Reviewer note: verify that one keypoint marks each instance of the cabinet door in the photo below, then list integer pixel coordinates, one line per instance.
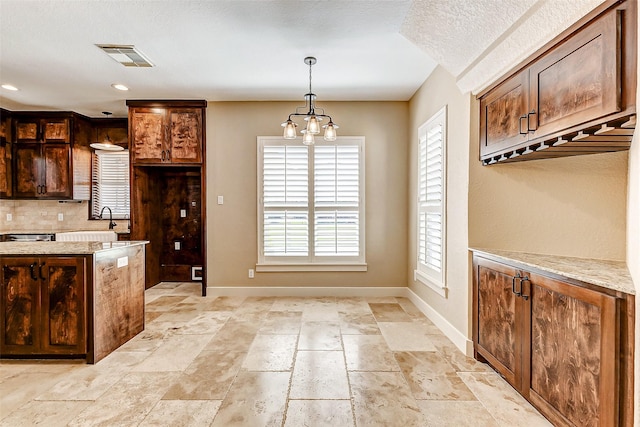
(20, 306)
(56, 160)
(6, 180)
(55, 130)
(63, 305)
(28, 130)
(29, 170)
(503, 113)
(573, 363)
(498, 323)
(578, 81)
(185, 136)
(148, 135)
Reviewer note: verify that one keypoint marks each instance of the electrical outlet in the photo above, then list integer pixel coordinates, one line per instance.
(251, 273)
(60, 216)
(220, 200)
(9, 217)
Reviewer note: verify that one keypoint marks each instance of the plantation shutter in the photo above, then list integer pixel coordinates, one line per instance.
(431, 190)
(286, 200)
(336, 219)
(110, 183)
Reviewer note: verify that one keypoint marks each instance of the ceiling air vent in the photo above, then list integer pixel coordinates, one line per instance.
(127, 55)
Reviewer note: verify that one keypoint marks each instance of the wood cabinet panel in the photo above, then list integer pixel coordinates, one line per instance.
(6, 175)
(185, 135)
(43, 170)
(147, 136)
(580, 80)
(28, 173)
(496, 306)
(20, 306)
(43, 306)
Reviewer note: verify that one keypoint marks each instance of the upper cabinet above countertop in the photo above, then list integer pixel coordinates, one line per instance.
(577, 95)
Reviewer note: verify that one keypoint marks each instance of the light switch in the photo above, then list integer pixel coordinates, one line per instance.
(9, 217)
(60, 217)
(123, 262)
(220, 200)
(183, 213)
(176, 245)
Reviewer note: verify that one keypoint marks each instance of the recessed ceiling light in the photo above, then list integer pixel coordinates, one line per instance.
(119, 86)
(9, 87)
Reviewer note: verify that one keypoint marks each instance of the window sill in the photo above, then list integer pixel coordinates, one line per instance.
(281, 268)
(440, 289)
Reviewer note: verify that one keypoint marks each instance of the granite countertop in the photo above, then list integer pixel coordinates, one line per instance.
(62, 248)
(605, 273)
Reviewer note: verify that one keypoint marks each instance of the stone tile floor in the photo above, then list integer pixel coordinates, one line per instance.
(277, 361)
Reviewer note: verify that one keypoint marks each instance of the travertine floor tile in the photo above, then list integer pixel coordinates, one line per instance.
(128, 402)
(368, 353)
(389, 312)
(319, 413)
(384, 399)
(358, 324)
(406, 336)
(49, 414)
(255, 399)
(502, 401)
(164, 303)
(449, 413)
(175, 353)
(430, 376)
(19, 390)
(209, 377)
(319, 375)
(234, 336)
(455, 357)
(320, 336)
(182, 413)
(281, 323)
(271, 353)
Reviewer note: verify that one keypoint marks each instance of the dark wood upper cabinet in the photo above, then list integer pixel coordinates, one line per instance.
(166, 134)
(50, 156)
(575, 96)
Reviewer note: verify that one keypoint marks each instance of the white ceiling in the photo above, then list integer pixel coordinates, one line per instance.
(231, 50)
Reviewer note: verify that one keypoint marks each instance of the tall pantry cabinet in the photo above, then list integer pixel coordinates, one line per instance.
(167, 173)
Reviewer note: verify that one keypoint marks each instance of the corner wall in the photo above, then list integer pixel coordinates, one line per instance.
(452, 313)
(232, 128)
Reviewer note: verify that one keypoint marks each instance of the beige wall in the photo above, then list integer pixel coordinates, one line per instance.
(440, 89)
(42, 216)
(232, 128)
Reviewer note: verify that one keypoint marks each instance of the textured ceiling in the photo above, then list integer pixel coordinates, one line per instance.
(254, 50)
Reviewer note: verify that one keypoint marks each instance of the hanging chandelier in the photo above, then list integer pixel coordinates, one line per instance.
(312, 117)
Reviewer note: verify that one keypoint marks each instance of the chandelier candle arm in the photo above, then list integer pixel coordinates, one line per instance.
(311, 117)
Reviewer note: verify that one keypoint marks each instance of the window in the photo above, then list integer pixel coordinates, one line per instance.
(110, 183)
(311, 205)
(432, 137)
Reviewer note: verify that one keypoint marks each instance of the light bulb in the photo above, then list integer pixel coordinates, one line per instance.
(330, 131)
(307, 138)
(289, 129)
(313, 125)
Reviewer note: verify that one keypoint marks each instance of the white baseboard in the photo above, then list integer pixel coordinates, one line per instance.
(459, 339)
(313, 291)
(464, 344)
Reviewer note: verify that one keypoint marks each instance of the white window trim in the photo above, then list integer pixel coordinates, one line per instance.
(423, 274)
(320, 263)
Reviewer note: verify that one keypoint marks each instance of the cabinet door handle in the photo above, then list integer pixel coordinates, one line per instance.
(526, 116)
(163, 155)
(32, 267)
(535, 126)
(524, 279)
(40, 271)
(168, 155)
(513, 285)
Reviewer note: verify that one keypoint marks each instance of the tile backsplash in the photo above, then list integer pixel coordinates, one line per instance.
(42, 216)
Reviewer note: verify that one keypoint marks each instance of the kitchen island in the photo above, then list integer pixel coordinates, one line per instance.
(70, 299)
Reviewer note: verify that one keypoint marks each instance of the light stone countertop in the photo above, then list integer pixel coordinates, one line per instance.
(605, 273)
(62, 248)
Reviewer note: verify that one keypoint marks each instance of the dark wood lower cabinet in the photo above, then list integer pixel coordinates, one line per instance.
(562, 344)
(43, 306)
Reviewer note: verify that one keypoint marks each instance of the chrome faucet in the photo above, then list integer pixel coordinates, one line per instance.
(111, 223)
